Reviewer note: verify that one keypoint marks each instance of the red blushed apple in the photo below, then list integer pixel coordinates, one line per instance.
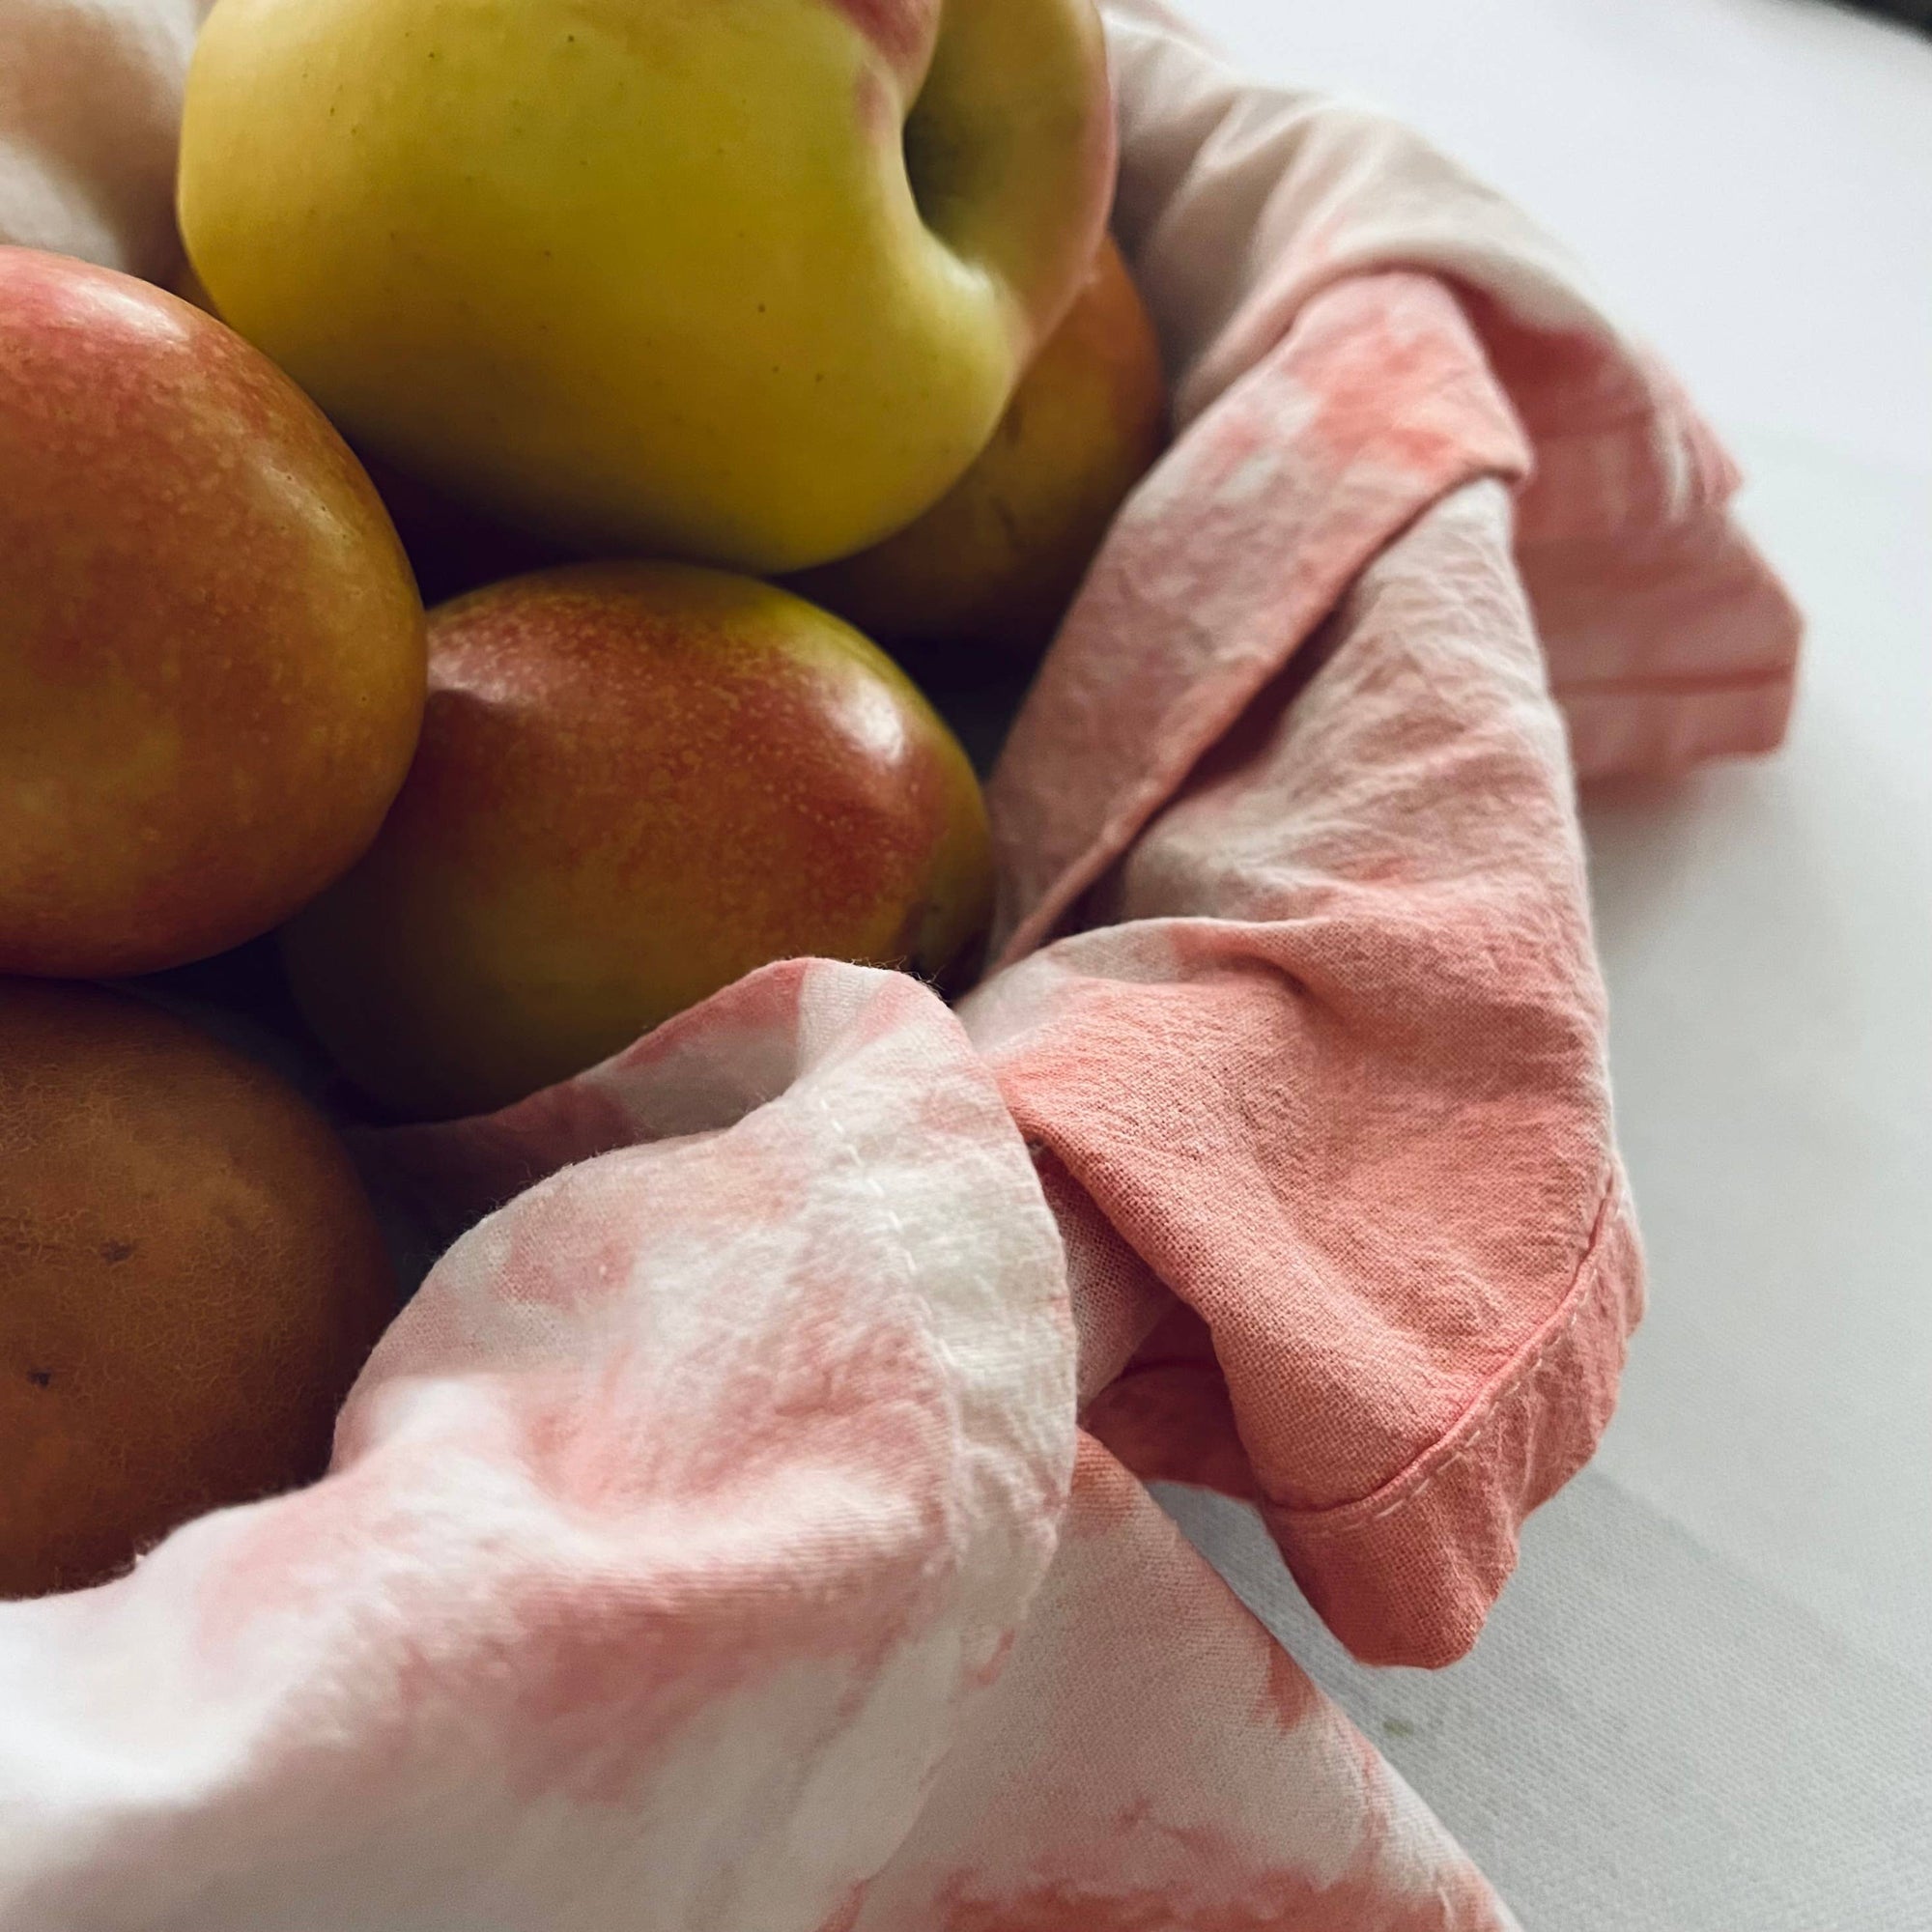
(636, 784)
(211, 651)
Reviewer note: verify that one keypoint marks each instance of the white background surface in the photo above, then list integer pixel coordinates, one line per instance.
(1706, 1701)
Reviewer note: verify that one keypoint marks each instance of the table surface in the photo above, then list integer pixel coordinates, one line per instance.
(1706, 1700)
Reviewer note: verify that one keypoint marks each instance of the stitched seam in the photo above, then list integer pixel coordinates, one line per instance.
(1476, 1422)
(872, 1182)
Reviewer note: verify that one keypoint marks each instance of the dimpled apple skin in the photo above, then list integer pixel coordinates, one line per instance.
(636, 784)
(748, 283)
(983, 578)
(211, 651)
(191, 1278)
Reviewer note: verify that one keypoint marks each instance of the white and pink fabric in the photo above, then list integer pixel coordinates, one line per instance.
(743, 1527)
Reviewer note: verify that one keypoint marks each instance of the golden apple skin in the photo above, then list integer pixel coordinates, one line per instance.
(211, 651)
(636, 784)
(748, 283)
(988, 573)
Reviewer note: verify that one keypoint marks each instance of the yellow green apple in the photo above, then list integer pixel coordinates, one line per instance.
(988, 573)
(211, 652)
(745, 281)
(636, 784)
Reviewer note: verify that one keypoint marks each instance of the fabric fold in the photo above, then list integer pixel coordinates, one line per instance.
(1669, 638)
(670, 1532)
(1331, 1065)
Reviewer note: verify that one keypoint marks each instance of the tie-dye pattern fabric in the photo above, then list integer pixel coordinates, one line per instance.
(707, 1545)
(714, 1543)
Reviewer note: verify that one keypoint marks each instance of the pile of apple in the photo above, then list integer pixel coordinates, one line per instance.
(657, 331)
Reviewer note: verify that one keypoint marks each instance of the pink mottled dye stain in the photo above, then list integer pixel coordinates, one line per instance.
(1289, 1697)
(737, 1568)
(845, 1914)
(281, 1561)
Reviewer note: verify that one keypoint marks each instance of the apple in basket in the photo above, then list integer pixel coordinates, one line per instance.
(982, 578)
(749, 284)
(976, 588)
(636, 784)
(189, 1279)
(212, 655)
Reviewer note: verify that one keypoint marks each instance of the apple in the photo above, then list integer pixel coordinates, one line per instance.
(635, 782)
(748, 283)
(988, 573)
(211, 651)
(193, 1279)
